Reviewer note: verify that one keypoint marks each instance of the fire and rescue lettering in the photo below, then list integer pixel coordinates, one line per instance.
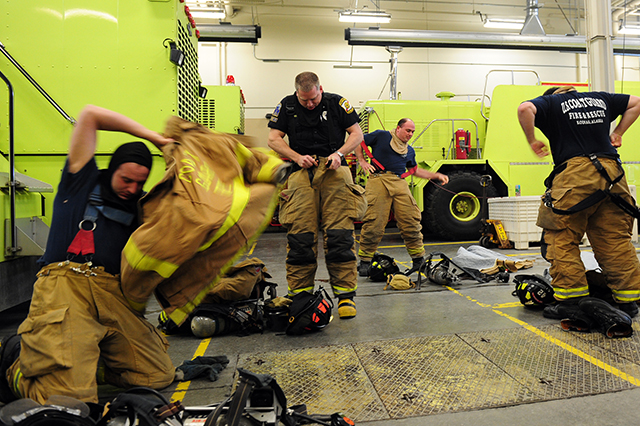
(585, 117)
(196, 171)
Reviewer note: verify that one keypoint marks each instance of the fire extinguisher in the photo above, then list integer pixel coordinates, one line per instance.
(463, 144)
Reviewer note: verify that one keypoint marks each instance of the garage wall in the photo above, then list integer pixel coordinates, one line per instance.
(318, 44)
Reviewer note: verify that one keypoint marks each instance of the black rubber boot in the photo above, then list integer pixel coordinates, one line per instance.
(417, 265)
(363, 268)
(9, 352)
(610, 321)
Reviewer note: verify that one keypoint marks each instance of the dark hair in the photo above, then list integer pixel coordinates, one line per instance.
(550, 91)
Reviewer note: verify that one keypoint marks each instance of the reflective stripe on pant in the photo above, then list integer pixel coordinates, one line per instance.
(606, 225)
(76, 318)
(328, 205)
(386, 192)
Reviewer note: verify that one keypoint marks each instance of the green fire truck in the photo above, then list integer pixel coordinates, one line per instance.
(470, 139)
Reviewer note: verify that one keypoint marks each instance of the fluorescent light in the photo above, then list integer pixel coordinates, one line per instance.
(226, 32)
(209, 14)
(505, 24)
(207, 10)
(629, 29)
(364, 16)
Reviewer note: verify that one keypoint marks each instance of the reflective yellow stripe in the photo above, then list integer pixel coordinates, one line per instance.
(17, 376)
(182, 313)
(341, 290)
(141, 262)
(626, 295)
(140, 307)
(415, 251)
(238, 204)
(266, 172)
(243, 154)
(300, 290)
(366, 255)
(568, 293)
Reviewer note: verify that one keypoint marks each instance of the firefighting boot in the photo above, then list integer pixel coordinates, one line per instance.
(363, 268)
(611, 322)
(630, 308)
(346, 308)
(9, 352)
(417, 265)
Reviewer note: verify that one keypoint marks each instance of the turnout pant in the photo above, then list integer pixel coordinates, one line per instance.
(386, 192)
(78, 315)
(321, 200)
(606, 225)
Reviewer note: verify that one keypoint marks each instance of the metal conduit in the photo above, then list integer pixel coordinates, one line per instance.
(12, 172)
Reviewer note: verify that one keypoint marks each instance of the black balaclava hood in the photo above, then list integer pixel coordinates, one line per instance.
(132, 152)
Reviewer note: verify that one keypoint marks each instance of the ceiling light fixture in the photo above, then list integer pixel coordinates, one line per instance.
(229, 33)
(207, 10)
(632, 28)
(503, 23)
(364, 16)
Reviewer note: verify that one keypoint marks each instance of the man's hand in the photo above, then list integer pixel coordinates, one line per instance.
(616, 140)
(306, 161)
(334, 161)
(444, 179)
(539, 148)
(366, 166)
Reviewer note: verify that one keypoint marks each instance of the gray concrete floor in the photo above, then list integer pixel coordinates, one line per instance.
(387, 315)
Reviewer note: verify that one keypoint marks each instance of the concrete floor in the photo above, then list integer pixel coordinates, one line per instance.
(386, 316)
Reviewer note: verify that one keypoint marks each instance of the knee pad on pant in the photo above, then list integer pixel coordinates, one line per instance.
(301, 249)
(340, 245)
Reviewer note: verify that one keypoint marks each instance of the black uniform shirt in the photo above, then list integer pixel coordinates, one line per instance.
(320, 131)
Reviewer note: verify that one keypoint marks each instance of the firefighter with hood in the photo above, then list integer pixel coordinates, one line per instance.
(320, 196)
(78, 318)
(582, 191)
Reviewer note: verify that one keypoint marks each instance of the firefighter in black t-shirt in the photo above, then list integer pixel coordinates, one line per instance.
(578, 128)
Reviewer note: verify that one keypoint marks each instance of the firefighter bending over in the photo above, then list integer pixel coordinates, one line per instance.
(577, 199)
(320, 195)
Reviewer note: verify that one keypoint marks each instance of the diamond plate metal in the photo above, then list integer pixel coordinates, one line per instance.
(327, 379)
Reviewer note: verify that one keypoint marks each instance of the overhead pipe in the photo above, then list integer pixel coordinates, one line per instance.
(393, 73)
(450, 39)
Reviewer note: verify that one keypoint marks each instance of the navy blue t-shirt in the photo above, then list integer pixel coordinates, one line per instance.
(380, 143)
(68, 211)
(579, 123)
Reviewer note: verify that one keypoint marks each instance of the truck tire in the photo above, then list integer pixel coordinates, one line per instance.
(454, 212)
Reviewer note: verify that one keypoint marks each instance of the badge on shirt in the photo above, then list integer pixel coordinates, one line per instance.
(276, 112)
(344, 103)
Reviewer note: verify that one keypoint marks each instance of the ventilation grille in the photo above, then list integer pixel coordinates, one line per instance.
(188, 78)
(208, 113)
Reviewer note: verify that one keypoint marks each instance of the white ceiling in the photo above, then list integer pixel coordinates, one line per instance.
(556, 16)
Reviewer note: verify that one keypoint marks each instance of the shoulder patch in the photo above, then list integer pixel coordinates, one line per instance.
(344, 103)
(276, 112)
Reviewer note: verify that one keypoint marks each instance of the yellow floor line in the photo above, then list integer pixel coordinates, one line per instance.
(595, 361)
(181, 389)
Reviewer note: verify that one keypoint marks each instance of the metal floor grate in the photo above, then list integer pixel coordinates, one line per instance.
(438, 374)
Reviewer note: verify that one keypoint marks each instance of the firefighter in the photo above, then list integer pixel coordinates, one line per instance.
(587, 163)
(78, 314)
(320, 195)
(387, 190)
